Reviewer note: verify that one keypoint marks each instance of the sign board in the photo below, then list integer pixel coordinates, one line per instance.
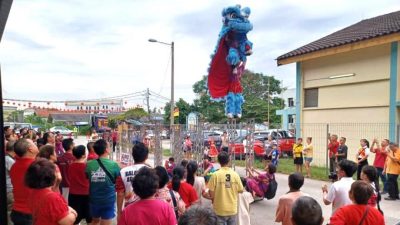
(125, 158)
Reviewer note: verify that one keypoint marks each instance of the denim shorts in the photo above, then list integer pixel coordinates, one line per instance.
(103, 211)
(308, 159)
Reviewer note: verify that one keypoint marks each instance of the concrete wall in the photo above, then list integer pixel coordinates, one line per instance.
(355, 107)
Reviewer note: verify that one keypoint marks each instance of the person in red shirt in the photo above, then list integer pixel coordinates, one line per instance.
(148, 210)
(333, 148)
(114, 137)
(48, 152)
(78, 197)
(185, 190)
(26, 151)
(92, 155)
(63, 162)
(47, 206)
(380, 159)
(359, 212)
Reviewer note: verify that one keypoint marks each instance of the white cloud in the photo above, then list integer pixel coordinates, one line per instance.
(87, 49)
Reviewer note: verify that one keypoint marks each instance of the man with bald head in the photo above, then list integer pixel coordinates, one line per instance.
(26, 151)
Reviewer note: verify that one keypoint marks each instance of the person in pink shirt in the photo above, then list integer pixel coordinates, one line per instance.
(380, 159)
(284, 210)
(148, 210)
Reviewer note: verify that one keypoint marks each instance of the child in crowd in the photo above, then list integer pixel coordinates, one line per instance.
(207, 167)
(169, 166)
(274, 155)
(308, 155)
(78, 197)
(298, 155)
(369, 174)
(257, 183)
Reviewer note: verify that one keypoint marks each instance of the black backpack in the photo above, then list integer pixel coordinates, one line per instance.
(272, 187)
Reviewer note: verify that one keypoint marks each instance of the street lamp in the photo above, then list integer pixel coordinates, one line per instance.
(172, 90)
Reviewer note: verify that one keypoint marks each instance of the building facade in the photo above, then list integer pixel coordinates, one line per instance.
(347, 84)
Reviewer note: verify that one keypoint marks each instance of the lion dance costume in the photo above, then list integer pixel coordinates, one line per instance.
(229, 59)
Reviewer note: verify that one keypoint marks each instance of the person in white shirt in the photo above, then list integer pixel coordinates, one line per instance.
(362, 157)
(338, 194)
(123, 184)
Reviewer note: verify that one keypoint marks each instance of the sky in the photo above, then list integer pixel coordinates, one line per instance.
(74, 49)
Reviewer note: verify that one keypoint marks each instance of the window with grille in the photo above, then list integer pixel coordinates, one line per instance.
(290, 102)
(311, 97)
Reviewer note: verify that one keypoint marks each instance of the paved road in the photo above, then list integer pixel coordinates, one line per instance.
(263, 212)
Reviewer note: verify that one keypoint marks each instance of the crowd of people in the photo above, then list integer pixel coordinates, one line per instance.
(50, 180)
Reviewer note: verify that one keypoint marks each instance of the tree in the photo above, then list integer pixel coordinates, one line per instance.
(135, 114)
(184, 110)
(258, 89)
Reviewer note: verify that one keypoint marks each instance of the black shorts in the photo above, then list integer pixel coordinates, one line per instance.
(298, 161)
(81, 205)
(267, 157)
(225, 149)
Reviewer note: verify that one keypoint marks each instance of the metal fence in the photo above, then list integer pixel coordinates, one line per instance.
(319, 132)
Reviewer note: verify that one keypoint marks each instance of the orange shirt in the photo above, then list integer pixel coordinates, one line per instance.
(393, 167)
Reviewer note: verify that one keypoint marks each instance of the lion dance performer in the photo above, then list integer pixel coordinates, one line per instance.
(229, 59)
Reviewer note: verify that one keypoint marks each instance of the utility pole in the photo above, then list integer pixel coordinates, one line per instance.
(172, 136)
(268, 99)
(148, 103)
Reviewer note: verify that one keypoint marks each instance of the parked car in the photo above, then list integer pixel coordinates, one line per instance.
(284, 138)
(207, 137)
(63, 131)
(258, 147)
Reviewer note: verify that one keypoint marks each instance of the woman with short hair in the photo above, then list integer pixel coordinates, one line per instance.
(148, 210)
(48, 207)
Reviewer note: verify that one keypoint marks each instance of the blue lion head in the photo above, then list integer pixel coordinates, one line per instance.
(236, 19)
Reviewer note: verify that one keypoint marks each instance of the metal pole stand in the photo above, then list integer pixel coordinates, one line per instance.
(232, 134)
(158, 154)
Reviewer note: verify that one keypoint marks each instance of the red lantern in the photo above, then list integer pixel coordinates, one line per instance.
(19, 104)
(48, 103)
(24, 105)
(13, 103)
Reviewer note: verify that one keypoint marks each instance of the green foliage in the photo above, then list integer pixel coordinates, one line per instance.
(112, 123)
(184, 110)
(135, 114)
(83, 130)
(258, 89)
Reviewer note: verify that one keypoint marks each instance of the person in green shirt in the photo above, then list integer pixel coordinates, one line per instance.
(102, 174)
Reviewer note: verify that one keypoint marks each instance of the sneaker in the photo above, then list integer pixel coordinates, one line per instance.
(390, 199)
(384, 192)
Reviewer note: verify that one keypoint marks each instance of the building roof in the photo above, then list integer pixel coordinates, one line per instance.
(70, 117)
(363, 30)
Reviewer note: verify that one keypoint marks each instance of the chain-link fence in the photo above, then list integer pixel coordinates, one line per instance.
(205, 136)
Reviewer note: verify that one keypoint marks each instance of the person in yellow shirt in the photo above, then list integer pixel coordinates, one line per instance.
(298, 155)
(308, 155)
(392, 170)
(224, 188)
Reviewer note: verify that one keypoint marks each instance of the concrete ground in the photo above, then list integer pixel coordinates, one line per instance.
(263, 212)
